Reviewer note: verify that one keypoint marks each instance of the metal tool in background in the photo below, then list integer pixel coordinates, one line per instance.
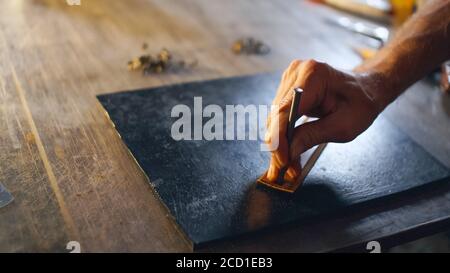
(373, 31)
(5, 197)
(293, 117)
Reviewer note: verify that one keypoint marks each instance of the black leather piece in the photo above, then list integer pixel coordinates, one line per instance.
(209, 186)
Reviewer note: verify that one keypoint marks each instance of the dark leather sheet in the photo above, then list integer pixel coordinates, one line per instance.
(209, 186)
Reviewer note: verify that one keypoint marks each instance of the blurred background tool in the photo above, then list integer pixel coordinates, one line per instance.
(393, 11)
(374, 31)
(5, 196)
(376, 9)
(365, 53)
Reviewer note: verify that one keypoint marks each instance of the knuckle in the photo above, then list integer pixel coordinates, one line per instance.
(292, 67)
(295, 63)
(313, 65)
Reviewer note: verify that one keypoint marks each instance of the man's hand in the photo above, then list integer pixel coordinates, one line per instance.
(346, 104)
(343, 103)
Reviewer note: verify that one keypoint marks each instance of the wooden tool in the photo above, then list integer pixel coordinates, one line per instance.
(380, 10)
(281, 182)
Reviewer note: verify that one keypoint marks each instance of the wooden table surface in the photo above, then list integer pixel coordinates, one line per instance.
(72, 177)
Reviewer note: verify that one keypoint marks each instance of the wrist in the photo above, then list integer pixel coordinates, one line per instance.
(376, 86)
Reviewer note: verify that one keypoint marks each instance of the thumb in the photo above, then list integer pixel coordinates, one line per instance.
(311, 134)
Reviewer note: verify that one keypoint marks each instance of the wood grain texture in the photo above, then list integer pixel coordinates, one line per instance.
(71, 176)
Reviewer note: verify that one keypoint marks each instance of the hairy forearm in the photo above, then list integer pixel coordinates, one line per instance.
(421, 45)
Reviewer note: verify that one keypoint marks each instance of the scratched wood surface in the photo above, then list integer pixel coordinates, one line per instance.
(71, 176)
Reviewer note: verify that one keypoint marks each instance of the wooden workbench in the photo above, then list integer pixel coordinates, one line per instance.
(72, 177)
